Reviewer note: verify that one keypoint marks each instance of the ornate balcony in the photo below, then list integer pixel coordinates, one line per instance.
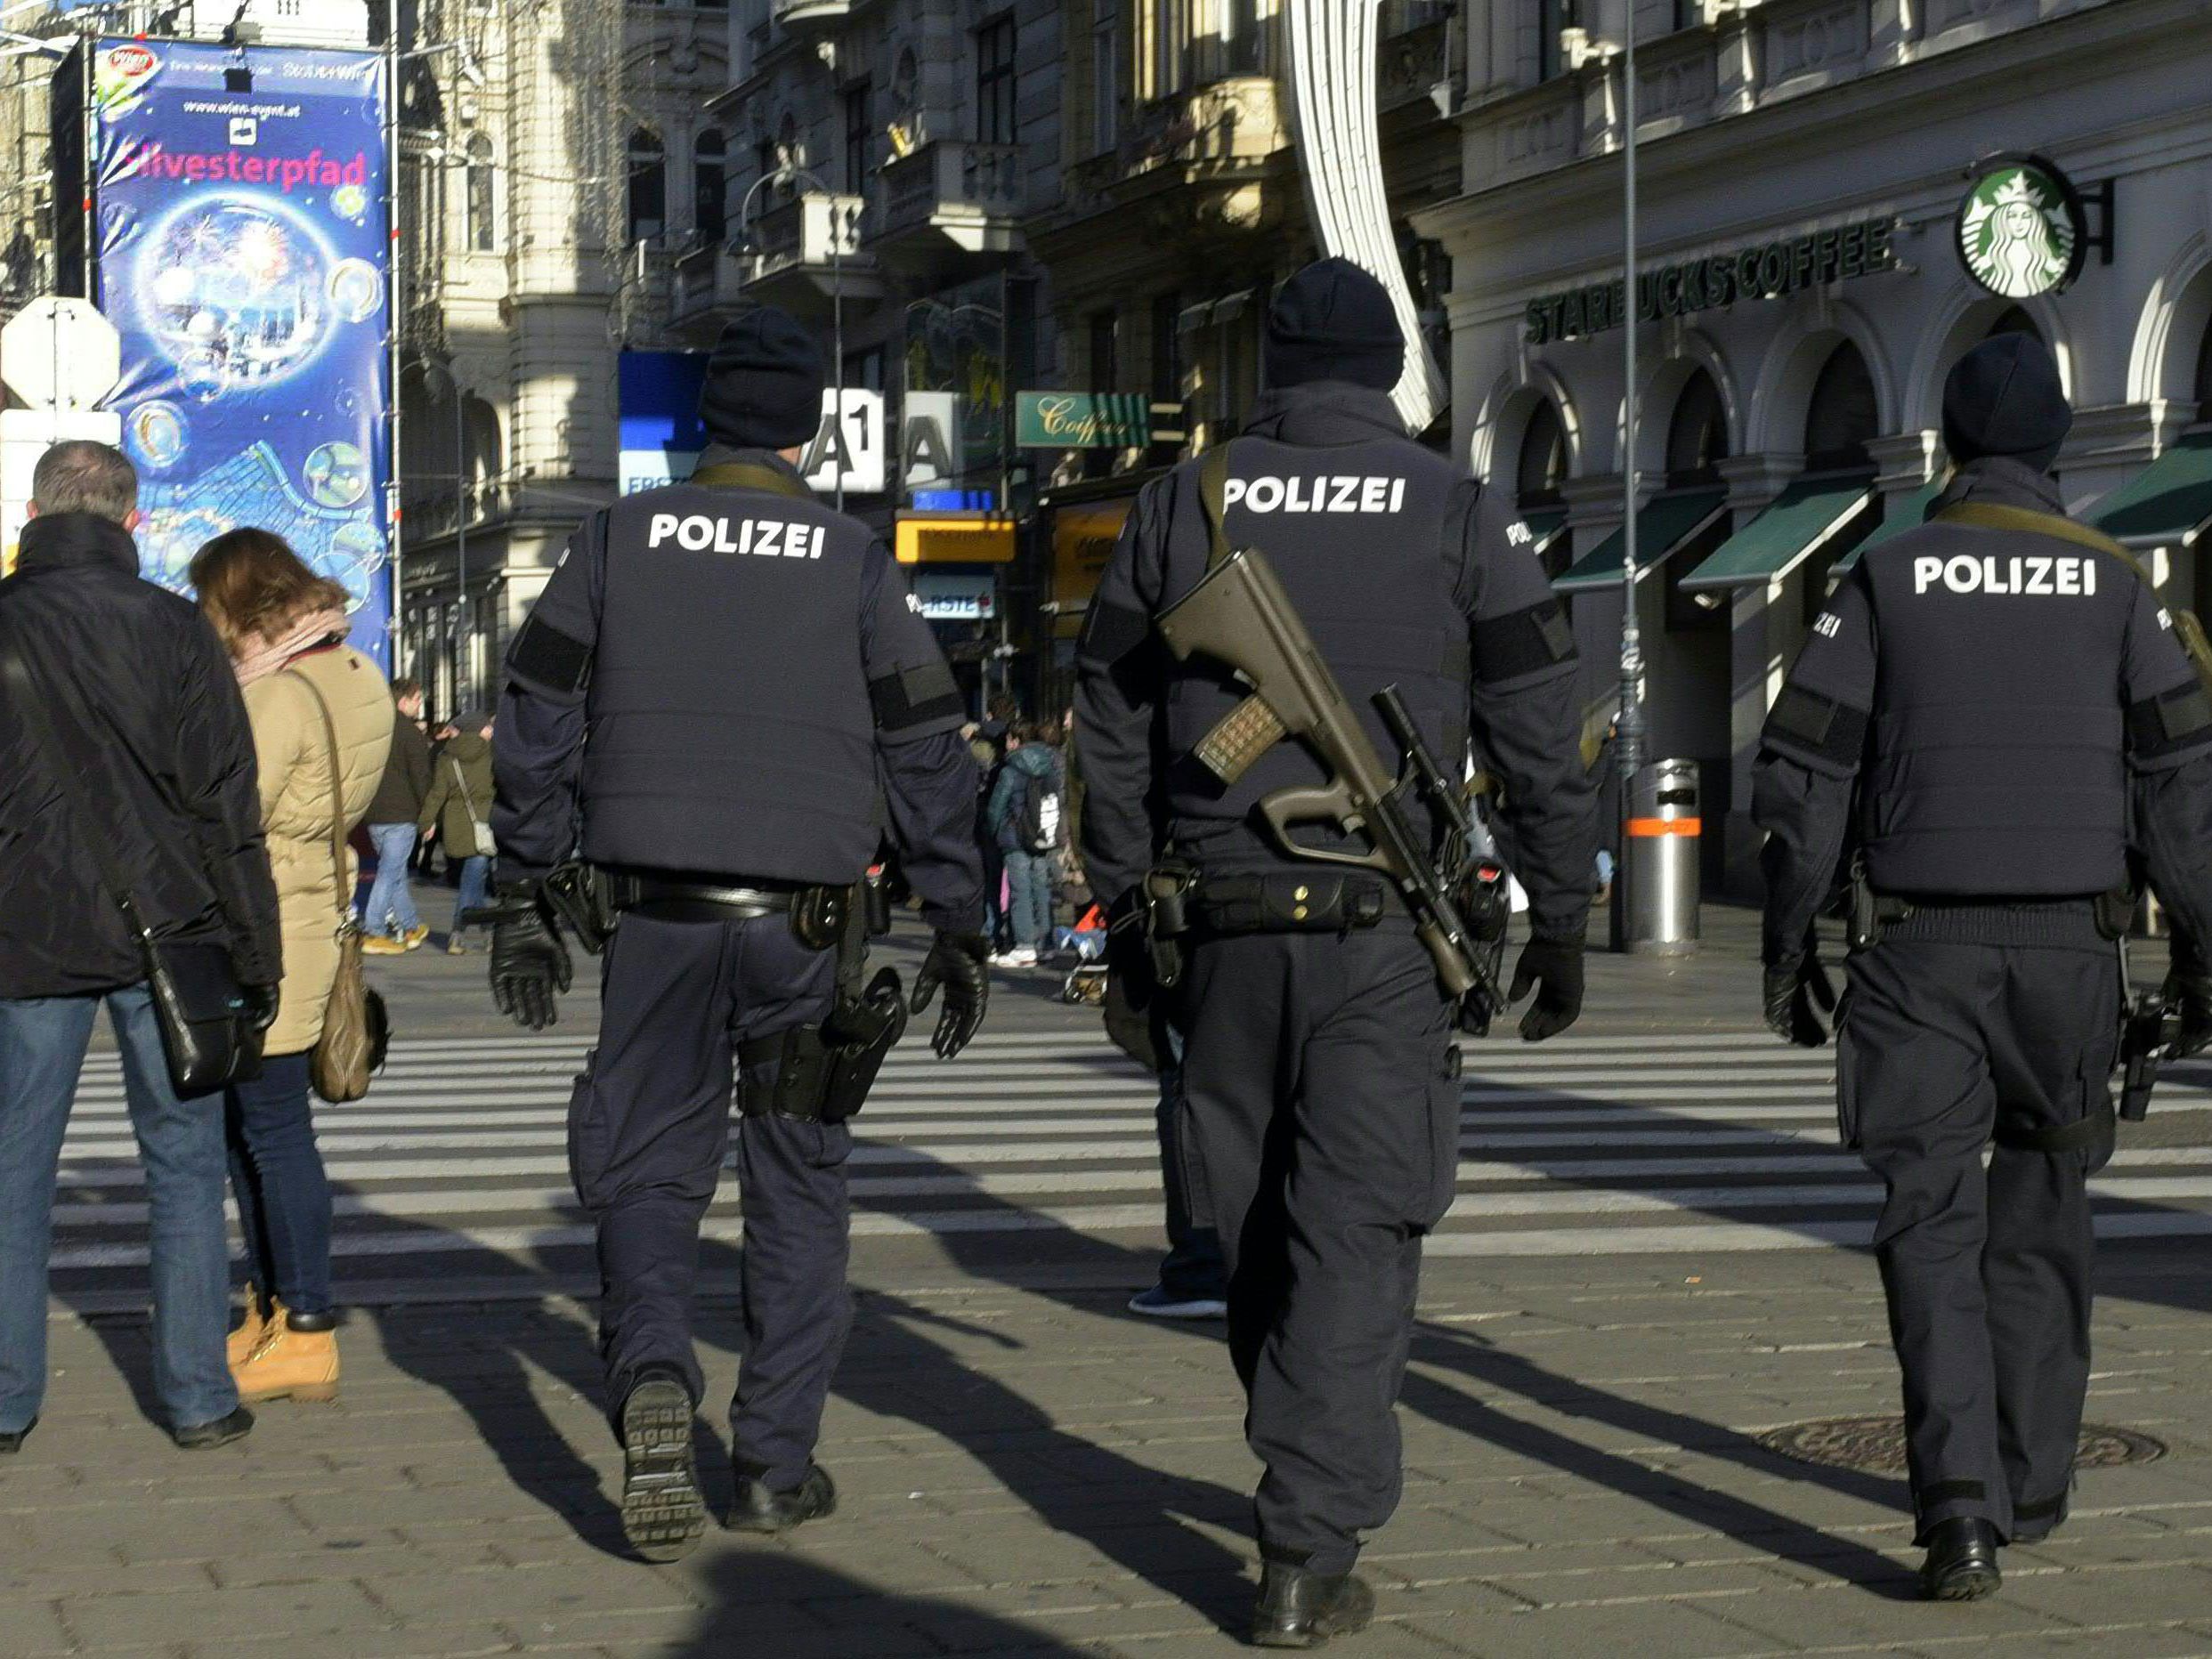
(709, 283)
(807, 250)
(950, 196)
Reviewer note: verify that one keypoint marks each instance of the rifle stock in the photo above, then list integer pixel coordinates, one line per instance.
(1238, 614)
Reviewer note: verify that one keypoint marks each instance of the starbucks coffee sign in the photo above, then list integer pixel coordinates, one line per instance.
(1765, 272)
(2021, 231)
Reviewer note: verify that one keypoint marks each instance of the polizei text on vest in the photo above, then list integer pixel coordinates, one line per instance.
(768, 538)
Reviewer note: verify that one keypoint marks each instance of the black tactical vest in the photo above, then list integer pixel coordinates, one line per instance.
(731, 731)
(1996, 763)
(1355, 533)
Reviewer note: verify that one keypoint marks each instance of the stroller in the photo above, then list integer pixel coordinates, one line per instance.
(1086, 981)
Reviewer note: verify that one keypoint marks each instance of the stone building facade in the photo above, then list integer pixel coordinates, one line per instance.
(1789, 406)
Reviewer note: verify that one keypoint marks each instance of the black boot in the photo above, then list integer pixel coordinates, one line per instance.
(1962, 1560)
(662, 1513)
(11, 1439)
(1299, 1608)
(758, 1509)
(207, 1437)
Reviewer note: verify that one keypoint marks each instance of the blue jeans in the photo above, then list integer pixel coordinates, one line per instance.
(1029, 897)
(42, 1051)
(475, 890)
(389, 899)
(277, 1177)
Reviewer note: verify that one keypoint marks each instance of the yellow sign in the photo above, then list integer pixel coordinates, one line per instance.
(1083, 542)
(954, 539)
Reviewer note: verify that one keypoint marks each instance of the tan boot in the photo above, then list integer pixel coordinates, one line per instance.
(292, 1364)
(250, 1331)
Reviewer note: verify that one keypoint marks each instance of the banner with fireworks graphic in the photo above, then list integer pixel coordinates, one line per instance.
(242, 240)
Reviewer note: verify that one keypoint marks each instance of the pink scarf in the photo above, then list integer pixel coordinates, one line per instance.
(272, 655)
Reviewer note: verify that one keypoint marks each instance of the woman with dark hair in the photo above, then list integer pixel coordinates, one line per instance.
(321, 718)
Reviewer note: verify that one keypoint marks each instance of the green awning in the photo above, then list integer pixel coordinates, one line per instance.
(2167, 503)
(1899, 514)
(1796, 524)
(1545, 525)
(1663, 524)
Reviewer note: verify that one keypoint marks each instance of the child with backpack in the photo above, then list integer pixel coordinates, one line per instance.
(1028, 818)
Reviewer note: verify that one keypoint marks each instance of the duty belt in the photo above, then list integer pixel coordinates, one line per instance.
(679, 898)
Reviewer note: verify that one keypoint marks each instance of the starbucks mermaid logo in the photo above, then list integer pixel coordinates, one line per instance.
(2020, 231)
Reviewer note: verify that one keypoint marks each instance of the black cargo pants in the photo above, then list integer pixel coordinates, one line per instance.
(1942, 1048)
(1320, 1088)
(649, 1127)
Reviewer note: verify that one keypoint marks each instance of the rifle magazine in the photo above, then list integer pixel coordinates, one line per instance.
(1247, 732)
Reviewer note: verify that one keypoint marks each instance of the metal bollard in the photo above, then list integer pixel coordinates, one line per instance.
(1659, 860)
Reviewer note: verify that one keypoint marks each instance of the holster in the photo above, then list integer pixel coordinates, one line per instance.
(580, 897)
(824, 1071)
(1164, 902)
(1869, 911)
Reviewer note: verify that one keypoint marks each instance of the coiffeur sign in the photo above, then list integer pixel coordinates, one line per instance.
(1081, 420)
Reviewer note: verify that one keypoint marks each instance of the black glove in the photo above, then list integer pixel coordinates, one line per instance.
(1130, 995)
(957, 962)
(530, 965)
(1793, 989)
(261, 1005)
(2192, 996)
(1553, 969)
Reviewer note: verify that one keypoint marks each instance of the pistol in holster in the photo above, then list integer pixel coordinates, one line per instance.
(823, 1072)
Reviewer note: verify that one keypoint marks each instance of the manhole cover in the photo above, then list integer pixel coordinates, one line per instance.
(1878, 1444)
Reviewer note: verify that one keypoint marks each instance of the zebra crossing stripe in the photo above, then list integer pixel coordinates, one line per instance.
(1629, 1145)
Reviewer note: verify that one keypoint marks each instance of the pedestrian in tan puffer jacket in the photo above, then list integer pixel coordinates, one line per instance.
(286, 630)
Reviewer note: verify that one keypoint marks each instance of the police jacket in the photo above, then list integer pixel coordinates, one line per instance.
(1405, 574)
(145, 706)
(1987, 713)
(726, 682)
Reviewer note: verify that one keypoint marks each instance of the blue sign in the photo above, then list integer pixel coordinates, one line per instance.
(657, 395)
(243, 253)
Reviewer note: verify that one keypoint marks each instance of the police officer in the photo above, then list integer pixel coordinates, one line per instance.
(757, 686)
(1321, 1092)
(1988, 704)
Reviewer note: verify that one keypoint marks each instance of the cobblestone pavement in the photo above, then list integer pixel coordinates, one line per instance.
(1027, 1470)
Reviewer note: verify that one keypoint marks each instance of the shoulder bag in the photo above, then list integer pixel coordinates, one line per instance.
(356, 1029)
(209, 1036)
(478, 824)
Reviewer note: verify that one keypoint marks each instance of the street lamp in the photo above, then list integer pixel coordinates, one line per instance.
(785, 176)
(1628, 739)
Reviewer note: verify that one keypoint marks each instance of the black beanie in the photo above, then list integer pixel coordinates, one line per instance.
(763, 384)
(2005, 398)
(1334, 321)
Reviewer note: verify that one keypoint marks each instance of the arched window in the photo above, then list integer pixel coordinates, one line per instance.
(1697, 437)
(710, 208)
(481, 230)
(648, 187)
(1541, 472)
(2015, 321)
(1841, 418)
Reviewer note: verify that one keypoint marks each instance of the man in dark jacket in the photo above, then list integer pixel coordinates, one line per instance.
(1994, 711)
(390, 920)
(157, 761)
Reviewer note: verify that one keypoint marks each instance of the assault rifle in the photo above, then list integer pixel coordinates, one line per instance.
(1238, 614)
